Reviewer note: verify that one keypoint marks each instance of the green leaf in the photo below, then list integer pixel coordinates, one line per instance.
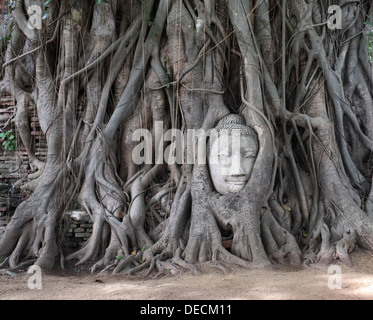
(305, 234)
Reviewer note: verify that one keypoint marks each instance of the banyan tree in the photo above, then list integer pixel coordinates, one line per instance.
(119, 81)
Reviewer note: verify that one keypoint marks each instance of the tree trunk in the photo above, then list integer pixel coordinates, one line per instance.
(100, 71)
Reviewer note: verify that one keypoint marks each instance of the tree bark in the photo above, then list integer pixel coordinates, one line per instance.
(98, 71)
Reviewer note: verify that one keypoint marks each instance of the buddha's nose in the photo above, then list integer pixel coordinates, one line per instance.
(236, 167)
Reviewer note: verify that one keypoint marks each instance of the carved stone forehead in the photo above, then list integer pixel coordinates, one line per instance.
(231, 119)
(232, 123)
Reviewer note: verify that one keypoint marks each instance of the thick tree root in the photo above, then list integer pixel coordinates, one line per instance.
(177, 66)
(280, 244)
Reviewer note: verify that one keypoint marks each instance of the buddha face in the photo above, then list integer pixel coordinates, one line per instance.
(231, 160)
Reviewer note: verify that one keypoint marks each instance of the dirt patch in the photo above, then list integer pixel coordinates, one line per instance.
(76, 283)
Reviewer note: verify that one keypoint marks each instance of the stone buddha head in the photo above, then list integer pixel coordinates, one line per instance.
(232, 150)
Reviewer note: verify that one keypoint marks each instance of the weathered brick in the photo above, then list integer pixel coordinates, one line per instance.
(82, 235)
(79, 215)
(86, 225)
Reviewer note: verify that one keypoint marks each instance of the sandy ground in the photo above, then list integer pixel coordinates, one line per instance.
(278, 284)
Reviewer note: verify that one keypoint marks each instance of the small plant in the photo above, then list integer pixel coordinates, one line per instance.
(166, 81)
(8, 39)
(9, 140)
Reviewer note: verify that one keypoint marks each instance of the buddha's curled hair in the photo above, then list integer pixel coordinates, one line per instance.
(232, 123)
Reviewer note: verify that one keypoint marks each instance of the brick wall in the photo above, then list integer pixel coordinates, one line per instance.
(14, 165)
(79, 228)
(3, 9)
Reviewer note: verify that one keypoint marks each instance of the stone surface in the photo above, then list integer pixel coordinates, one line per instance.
(79, 215)
(232, 153)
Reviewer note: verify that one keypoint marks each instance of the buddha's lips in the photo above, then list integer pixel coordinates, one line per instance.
(236, 181)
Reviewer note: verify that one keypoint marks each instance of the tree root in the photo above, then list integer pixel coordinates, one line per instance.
(331, 251)
(174, 69)
(280, 244)
(34, 179)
